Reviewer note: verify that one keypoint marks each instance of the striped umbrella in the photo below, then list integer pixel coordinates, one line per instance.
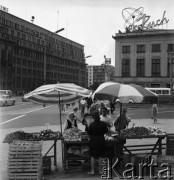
(61, 93)
(125, 92)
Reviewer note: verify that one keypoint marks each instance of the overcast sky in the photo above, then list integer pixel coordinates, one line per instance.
(91, 23)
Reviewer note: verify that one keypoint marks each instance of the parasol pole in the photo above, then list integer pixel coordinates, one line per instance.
(119, 121)
(60, 114)
(61, 128)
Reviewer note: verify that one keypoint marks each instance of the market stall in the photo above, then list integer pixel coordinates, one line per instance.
(144, 133)
(44, 135)
(75, 146)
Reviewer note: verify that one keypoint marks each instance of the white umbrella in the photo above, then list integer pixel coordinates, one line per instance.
(60, 93)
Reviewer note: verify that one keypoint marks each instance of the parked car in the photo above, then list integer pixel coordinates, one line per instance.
(6, 100)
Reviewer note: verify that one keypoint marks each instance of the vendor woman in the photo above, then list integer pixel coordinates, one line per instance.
(71, 122)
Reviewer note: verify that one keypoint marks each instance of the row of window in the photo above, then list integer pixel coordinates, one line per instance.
(30, 72)
(32, 83)
(38, 45)
(142, 48)
(140, 68)
(24, 30)
(53, 60)
(50, 63)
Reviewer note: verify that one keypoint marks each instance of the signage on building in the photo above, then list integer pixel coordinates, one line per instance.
(136, 19)
(107, 60)
(3, 8)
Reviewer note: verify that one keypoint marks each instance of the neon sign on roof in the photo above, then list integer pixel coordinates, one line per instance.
(135, 19)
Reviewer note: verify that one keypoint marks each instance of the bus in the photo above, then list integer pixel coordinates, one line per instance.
(164, 94)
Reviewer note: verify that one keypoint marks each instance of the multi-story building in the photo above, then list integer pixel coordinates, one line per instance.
(31, 56)
(142, 57)
(100, 73)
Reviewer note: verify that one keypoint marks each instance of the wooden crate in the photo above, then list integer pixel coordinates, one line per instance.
(25, 160)
(170, 144)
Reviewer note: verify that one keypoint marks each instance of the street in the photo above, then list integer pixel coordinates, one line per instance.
(28, 114)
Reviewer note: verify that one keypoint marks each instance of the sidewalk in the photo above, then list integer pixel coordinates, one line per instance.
(167, 125)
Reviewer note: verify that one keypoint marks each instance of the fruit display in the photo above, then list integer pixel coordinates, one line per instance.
(72, 134)
(135, 132)
(48, 134)
(141, 132)
(21, 135)
(157, 131)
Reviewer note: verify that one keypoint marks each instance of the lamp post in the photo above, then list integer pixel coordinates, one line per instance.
(86, 79)
(45, 55)
(170, 57)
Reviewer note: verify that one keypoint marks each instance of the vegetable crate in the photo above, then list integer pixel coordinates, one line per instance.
(25, 160)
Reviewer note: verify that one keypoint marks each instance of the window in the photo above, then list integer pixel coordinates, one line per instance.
(126, 68)
(141, 48)
(125, 49)
(156, 48)
(155, 67)
(140, 67)
(170, 48)
(165, 92)
(169, 71)
(158, 91)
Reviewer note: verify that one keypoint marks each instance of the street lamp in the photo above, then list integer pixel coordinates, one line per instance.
(45, 55)
(59, 30)
(88, 56)
(86, 79)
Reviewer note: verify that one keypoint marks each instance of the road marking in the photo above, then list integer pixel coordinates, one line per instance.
(12, 119)
(165, 111)
(39, 109)
(25, 114)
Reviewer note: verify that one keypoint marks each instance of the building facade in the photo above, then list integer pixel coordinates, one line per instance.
(100, 73)
(142, 57)
(31, 56)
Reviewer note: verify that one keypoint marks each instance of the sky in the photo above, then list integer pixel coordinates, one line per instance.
(91, 23)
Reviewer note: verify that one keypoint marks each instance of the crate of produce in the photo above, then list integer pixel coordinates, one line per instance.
(25, 160)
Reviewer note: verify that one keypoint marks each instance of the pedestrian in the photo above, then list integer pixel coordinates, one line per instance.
(95, 106)
(97, 147)
(154, 112)
(71, 122)
(83, 105)
(120, 124)
(106, 118)
(87, 120)
(112, 106)
(75, 109)
(102, 106)
(88, 103)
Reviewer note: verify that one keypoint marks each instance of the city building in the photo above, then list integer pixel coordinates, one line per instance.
(31, 56)
(145, 57)
(100, 73)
